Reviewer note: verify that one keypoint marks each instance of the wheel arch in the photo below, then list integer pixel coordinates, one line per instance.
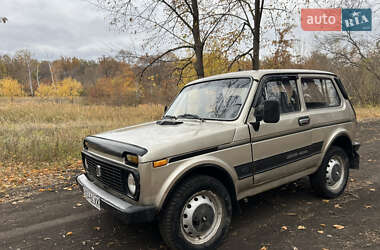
(209, 169)
(343, 140)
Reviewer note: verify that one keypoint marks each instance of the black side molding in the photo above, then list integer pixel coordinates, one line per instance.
(283, 159)
(112, 147)
(244, 171)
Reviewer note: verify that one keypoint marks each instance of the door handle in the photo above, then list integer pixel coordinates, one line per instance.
(305, 120)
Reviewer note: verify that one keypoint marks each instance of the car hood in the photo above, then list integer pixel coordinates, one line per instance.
(163, 141)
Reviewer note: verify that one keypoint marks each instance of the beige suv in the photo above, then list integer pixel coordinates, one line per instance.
(224, 138)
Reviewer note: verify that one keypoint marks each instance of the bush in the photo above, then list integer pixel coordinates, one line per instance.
(10, 87)
(68, 87)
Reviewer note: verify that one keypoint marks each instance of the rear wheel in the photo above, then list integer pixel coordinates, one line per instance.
(197, 215)
(331, 178)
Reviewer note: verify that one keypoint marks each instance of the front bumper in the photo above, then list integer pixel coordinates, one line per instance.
(355, 155)
(126, 211)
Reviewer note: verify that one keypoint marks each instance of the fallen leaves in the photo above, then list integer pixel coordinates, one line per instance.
(69, 233)
(97, 229)
(291, 214)
(42, 178)
(326, 201)
(320, 231)
(284, 228)
(372, 189)
(339, 227)
(367, 206)
(301, 227)
(337, 206)
(263, 248)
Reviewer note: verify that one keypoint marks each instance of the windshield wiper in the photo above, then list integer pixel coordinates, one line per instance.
(170, 117)
(191, 116)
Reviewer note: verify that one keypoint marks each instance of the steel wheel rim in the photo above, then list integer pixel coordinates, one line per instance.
(201, 217)
(335, 173)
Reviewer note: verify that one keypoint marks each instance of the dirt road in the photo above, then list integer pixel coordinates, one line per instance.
(290, 217)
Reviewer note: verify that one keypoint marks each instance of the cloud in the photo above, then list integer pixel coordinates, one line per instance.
(54, 28)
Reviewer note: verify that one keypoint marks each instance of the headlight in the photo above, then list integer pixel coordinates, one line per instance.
(132, 159)
(131, 184)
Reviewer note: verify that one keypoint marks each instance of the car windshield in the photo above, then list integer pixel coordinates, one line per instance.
(218, 100)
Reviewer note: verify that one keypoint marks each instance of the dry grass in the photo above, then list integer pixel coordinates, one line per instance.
(368, 113)
(34, 132)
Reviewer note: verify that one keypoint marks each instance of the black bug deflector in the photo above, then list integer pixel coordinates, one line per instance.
(112, 147)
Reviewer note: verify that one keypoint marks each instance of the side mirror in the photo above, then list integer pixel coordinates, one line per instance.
(271, 112)
(166, 108)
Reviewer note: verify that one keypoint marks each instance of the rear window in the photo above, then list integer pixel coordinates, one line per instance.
(319, 93)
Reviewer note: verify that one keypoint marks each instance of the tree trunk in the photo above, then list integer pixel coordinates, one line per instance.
(37, 77)
(51, 74)
(198, 44)
(30, 79)
(256, 36)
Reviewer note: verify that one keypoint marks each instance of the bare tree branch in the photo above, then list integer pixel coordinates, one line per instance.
(162, 55)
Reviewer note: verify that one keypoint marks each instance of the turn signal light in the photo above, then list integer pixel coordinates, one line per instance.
(160, 163)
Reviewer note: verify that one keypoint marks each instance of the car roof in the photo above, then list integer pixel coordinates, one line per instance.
(258, 74)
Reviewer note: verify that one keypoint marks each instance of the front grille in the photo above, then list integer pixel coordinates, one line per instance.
(111, 175)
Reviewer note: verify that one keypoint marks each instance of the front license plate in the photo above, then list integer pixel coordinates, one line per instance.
(92, 198)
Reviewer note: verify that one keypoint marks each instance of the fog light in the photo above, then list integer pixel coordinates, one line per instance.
(131, 184)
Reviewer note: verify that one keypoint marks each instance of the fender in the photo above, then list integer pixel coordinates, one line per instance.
(331, 139)
(186, 167)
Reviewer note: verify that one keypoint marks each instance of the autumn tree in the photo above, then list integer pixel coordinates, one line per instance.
(25, 58)
(117, 90)
(69, 87)
(252, 19)
(215, 62)
(46, 90)
(171, 24)
(10, 87)
(282, 56)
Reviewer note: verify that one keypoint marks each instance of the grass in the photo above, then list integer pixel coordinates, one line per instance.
(367, 112)
(36, 132)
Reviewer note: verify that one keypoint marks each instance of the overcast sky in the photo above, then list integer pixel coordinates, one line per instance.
(54, 28)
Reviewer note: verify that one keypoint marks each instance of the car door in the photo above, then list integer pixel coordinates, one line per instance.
(281, 149)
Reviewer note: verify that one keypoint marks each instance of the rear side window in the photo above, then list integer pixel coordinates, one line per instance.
(319, 93)
(284, 91)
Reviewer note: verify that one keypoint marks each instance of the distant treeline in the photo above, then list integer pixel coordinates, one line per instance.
(126, 80)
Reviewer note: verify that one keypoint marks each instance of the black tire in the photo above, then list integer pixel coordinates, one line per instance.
(319, 180)
(171, 216)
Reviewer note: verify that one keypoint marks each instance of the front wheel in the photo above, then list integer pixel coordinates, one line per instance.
(197, 215)
(331, 178)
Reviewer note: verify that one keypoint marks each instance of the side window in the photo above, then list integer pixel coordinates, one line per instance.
(319, 93)
(284, 91)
